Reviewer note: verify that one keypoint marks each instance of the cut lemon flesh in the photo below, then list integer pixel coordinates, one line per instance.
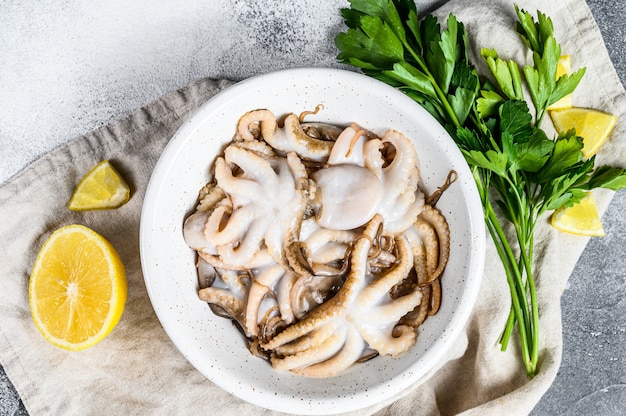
(77, 288)
(580, 219)
(101, 188)
(563, 68)
(592, 125)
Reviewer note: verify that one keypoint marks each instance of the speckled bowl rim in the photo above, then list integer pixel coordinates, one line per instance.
(210, 343)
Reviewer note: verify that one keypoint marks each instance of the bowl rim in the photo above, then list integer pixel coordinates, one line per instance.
(476, 258)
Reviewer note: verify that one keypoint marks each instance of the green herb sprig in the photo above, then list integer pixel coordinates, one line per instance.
(519, 171)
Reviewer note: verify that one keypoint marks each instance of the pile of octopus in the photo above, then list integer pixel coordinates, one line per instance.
(318, 242)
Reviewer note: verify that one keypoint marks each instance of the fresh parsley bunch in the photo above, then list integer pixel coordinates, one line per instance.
(518, 169)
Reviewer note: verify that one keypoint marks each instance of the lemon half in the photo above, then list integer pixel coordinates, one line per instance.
(77, 289)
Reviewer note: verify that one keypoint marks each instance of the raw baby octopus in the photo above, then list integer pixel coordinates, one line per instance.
(319, 243)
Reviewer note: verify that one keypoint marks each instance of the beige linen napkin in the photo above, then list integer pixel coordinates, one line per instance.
(137, 370)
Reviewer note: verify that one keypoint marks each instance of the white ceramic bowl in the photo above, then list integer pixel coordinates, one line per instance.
(211, 343)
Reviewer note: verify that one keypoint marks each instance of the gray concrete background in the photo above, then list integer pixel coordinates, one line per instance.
(69, 66)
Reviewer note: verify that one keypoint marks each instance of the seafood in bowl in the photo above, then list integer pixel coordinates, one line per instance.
(318, 242)
(209, 342)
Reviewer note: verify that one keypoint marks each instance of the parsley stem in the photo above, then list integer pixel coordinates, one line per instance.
(512, 273)
(473, 116)
(508, 330)
(526, 249)
(440, 93)
(512, 269)
(508, 188)
(539, 116)
(524, 223)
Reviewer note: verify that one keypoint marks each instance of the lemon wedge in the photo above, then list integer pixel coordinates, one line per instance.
(563, 68)
(101, 188)
(579, 219)
(592, 125)
(77, 288)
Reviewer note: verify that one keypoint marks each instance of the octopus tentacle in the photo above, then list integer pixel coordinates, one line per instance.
(297, 205)
(433, 198)
(238, 223)
(323, 247)
(350, 353)
(283, 296)
(241, 190)
(325, 350)
(338, 304)
(430, 242)
(416, 317)
(261, 258)
(309, 291)
(329, 253)
(372, 158)
(254, 166)
(400, 178)
(297, 260)
(419, 254)
(310, 340)
(209, 196)
(399, 341)
(321, 131)
(290, 138)
(261, 287)
(258, 147)
(434, 218)
(380, 286)
(271, 323)
(233, 305)
(241, 252)
(264, 119)
(436, 297)
(224, 298)
(293, 138)
(399, 224)
(323, 236)
(393, 311)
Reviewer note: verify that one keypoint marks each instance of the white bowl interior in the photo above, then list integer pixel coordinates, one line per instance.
(211, 343)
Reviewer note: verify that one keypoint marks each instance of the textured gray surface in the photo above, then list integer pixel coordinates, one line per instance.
(69, 67)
